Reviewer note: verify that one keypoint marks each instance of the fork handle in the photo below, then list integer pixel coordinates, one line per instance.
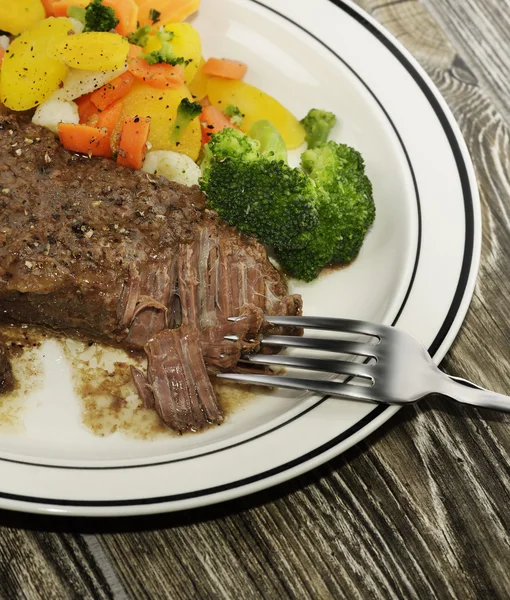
(466, 392)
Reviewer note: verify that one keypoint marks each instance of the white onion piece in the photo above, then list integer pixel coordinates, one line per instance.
(78, 26)
(79, 82)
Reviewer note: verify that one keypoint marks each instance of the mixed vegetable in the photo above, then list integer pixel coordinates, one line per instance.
(126, 80)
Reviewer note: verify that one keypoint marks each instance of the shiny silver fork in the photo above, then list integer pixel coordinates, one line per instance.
(402, 370)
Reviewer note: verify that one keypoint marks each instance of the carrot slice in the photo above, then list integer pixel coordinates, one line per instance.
(161, 75)
(85, 139)
(87, 110)
(133, 141)
(109, 116)
(134, 51)
(60, 7)
(213, 120)
(48, 8)
(113, 91)
(223, 67)
(127, 13)
(173, 11)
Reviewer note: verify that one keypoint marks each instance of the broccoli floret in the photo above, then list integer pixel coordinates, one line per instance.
(318, 125)
(229, 143)
(235, 115)
(99, 17)
(140, 37)
(164, 54)
(263, 197)
(346, 210)
(271, 142)
(186, 112)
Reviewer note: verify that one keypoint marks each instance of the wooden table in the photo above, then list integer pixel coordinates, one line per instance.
(419, 510)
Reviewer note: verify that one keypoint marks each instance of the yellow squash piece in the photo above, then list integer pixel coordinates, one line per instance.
(29, 75)
(256, 105)
(161, 107)
(18, 15)
(186, 43)
(93, 51)
(198, 85)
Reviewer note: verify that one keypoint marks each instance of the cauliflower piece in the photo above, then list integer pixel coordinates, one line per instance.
(4, 41)
(54, 111)
(172, 165)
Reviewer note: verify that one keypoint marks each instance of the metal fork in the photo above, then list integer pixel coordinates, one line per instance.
(403, 371)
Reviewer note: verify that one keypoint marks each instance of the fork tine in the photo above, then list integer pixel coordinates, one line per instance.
(341, 367)
(331, 324)
(330, 388)
(332, 345)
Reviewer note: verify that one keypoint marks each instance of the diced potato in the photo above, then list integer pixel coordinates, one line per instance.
(172, 165)
(78, 82)
(52, 112)
(93, 51)
(198, 86)
(161, 106)
(186, 43)
(256, 105)
(18, 15)
(29, 75)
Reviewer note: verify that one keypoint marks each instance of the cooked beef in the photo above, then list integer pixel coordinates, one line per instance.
(116, 255)
(177, 377)
(6, 376)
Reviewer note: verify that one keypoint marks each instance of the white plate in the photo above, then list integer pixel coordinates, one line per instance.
(417, 270)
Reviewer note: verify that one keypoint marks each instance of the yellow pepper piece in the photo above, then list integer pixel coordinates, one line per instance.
(186, 43)
(169, 12)
(161, 107)
(255, 105)
(18, 15)
(29, 75)
(93, 51)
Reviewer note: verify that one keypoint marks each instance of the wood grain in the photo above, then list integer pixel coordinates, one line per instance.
(420, 509)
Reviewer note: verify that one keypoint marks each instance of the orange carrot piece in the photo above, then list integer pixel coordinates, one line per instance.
(87, 110)
(109, 116)
(223, 67)
(85, 139)
(161, 75)
(48, 8)
(2, 53)
(133, 141)
(127, 13)
(173, 11)
(113, 91)
(60, 6)
(213, 120)
(134, 51)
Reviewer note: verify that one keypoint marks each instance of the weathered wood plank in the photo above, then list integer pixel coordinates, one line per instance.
(47, 565)
(479, 30)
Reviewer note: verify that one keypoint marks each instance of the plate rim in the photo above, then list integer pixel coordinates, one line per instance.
(380, 414)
